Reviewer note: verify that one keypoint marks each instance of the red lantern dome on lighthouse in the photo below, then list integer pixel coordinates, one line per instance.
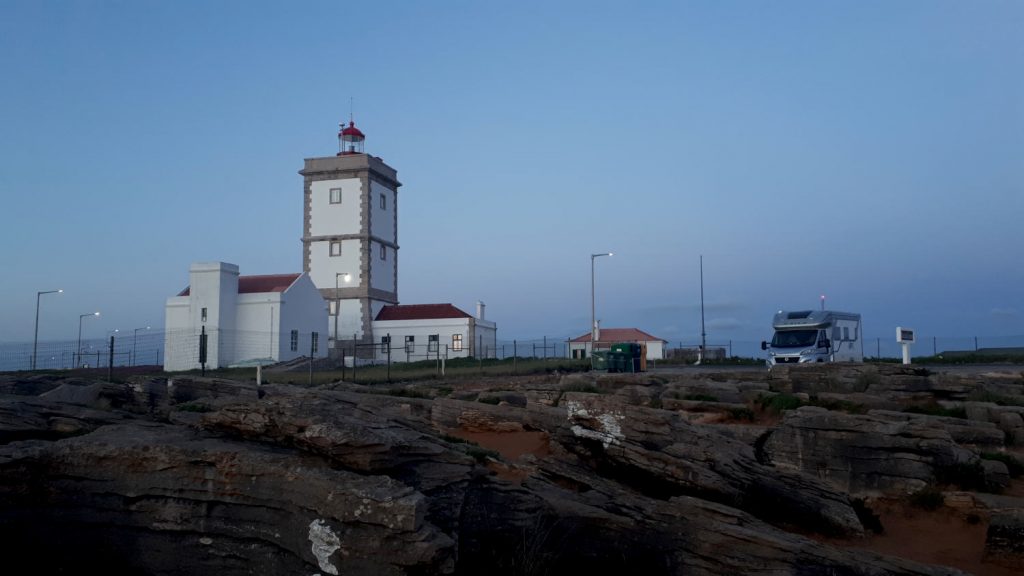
(350, 139)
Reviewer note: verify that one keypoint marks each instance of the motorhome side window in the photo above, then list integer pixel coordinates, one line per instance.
(835, 333)
(846, 332)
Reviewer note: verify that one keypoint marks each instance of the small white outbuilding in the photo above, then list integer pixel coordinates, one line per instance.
(246, 319)
(411, 332)
(580, 347)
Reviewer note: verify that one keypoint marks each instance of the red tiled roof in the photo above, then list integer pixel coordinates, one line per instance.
(620, 335)
(258, 284)
(420, 312)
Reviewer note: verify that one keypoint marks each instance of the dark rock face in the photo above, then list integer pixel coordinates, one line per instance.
(877, 453)
(206, 476)
(1004, 542)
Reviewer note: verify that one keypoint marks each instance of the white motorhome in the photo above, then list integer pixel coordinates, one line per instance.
(815, 336)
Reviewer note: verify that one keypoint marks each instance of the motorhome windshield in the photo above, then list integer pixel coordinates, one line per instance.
(794, 338)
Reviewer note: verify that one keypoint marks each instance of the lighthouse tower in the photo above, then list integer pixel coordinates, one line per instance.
(350, 235)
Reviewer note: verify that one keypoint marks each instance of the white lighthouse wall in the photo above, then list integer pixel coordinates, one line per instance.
(323, 266)
(326, 218)
(382, 220)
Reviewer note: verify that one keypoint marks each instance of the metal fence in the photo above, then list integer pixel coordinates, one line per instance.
(141, 349)
(874, 347)
(147, 348)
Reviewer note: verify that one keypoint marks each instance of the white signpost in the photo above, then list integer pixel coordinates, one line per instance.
(905, 336)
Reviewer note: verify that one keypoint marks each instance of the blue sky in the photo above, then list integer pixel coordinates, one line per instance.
(869, 151)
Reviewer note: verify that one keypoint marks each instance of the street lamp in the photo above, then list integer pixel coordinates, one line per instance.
(135, 336)
(35, 341)
(337, 303)
(593, 319)
(80, 316)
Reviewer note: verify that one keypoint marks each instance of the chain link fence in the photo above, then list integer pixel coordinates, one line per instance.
(183, 350)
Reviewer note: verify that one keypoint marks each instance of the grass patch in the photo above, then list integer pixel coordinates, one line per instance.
(455, 439)
(839, 405)
(701, 397)
(927, 498)
(480, 454)
(743, 413)
(194, 407)
(401, 393)
(866, 380)
(1013, 465)
(979, 395)
(580, 387)
(778, 403)
(935, 409)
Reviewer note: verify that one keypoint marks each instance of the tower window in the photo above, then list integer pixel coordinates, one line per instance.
(335, 195)
(202, 315)
(383, 202)
(294, 340)
(335, 247)
(314, 343)
(383, 252)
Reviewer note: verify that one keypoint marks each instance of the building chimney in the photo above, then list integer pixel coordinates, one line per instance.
(480, 310)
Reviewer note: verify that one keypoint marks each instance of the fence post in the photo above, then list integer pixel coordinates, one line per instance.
(545, 348)
(202, 350)
(975, 343)
(934, 352)
(389, 357)
(311, 353)
(110, 361)
(515, 357)
(355, 354)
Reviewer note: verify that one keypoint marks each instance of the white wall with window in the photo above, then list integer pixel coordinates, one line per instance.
(382, 267)
(328, 217)
(382, 215)
(351, 320)
(250, 319)
(335, 255)
(455, 334)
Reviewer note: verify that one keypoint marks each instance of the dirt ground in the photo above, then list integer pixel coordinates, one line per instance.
(944, 536)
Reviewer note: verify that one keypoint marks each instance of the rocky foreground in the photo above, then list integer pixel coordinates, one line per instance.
(685, 473)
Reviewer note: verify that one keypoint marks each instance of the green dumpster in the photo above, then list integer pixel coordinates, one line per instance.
(599, 360)
(614, 361)
(628, 355)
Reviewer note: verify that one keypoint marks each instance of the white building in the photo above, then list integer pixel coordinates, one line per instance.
(350, 251)
(246, 319)
(581, 347)
(424, 331)
(350, 236)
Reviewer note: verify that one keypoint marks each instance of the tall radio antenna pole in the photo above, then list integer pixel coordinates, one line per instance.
(703, 335)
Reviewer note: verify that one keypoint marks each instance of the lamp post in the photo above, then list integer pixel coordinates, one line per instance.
(337, 303)
(135, 336)
(593, 318)
(80, 316)
(35, 340)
